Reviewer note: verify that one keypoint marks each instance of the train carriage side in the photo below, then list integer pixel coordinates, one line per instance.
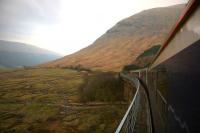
(174, 76)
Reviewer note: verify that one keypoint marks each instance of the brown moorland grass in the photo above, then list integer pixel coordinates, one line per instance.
(48, 100)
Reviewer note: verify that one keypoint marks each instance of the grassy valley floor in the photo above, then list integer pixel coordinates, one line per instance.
(48, 100)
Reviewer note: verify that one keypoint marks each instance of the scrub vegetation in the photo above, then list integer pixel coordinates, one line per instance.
(102, 87)
(50, 100)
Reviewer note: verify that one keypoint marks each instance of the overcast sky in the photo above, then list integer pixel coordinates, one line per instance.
(65, 26)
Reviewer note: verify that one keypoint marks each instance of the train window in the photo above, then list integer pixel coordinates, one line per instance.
(162, 81)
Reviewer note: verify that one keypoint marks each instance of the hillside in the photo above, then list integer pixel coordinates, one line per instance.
(122, 43)
(14, 54)
(145, 58)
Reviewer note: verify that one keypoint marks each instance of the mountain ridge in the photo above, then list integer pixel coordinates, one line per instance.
(121, 44)
(16, 54)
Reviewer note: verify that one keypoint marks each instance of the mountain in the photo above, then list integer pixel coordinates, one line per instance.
(15, 54)
(121, 44)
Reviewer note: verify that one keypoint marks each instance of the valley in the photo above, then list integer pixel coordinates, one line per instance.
(49, 100)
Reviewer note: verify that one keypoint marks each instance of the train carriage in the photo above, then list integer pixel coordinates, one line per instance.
(172, 80)
(176, 75)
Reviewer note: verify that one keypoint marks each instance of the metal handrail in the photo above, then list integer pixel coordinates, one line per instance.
(127, 124)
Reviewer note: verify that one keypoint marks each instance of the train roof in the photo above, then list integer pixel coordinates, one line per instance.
(191, 6)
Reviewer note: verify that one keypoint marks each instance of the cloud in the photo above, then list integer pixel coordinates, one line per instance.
(20, 16)
(66, 26)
